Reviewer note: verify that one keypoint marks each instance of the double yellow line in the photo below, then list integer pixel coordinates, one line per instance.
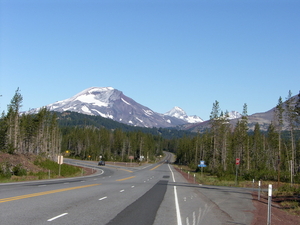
(43, 193)
(61, 190)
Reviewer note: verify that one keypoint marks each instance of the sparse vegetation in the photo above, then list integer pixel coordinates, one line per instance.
(20, 167)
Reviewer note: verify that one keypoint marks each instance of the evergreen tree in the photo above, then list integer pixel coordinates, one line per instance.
(279, 122)
(290, 117)
(13, 121)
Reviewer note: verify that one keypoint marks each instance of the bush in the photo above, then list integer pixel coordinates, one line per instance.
(287, 189)
(260, 175)
(19, 171)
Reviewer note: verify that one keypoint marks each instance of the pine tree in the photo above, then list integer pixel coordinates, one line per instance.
(13, 120)
(215, 122)
(297, 110)
(279, 122)
(291, 119)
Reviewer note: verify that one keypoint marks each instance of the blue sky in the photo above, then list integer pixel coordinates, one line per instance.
(160, 53)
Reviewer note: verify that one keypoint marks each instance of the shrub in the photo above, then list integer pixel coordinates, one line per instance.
(19, 171)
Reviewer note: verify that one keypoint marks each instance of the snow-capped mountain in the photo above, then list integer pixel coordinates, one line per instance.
(234, 115)
(112, 103)
(179, 113)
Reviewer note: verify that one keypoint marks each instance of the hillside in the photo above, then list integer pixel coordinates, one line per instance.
(71, 119)
(25, 167)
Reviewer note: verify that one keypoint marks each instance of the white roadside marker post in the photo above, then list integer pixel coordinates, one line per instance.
(259, 190)
(269, 204)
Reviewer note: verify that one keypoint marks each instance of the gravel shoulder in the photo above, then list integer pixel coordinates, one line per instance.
(279, 215)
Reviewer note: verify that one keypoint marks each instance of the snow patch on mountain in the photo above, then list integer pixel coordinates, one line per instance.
(179, 113)
(125, 101)
(234, 115)
(112, 103)
(148, 112)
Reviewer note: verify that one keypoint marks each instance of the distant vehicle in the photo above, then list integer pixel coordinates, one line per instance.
(101, 163)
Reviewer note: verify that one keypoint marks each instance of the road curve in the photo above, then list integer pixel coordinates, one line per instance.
(149, 194)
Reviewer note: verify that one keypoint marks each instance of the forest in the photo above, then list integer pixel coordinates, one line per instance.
(270, 155)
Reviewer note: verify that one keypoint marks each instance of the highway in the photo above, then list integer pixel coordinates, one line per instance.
(149, 194)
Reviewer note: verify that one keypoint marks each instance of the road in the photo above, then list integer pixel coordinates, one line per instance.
(150, 194)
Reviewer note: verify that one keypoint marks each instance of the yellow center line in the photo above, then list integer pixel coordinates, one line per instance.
(127, 178)
(126, 170)
(156, 167)
(43, 193)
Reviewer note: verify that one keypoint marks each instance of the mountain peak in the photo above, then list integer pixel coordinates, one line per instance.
(179, 113)
(98, 96)
(112, 103)
(176, 112)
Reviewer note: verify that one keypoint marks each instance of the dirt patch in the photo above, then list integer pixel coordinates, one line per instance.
(25, 160)
(279, 216)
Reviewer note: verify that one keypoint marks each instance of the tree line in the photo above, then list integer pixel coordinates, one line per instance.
(29, 133)
(42, 134)
(113, 145)
(273, 154)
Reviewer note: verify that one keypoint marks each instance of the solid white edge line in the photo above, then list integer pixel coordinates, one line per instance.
(176, 200)
(57, 217)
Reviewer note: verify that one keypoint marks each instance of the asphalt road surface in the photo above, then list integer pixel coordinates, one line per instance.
(146, 195)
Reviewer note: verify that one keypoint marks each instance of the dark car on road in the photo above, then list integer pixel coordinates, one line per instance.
(101, 163)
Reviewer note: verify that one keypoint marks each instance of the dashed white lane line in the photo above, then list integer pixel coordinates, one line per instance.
(54, 218)
(132, 186)
(100, 199)
(176, 200)
(122, 190)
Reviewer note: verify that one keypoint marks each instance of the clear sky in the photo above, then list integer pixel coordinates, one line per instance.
(161, 53)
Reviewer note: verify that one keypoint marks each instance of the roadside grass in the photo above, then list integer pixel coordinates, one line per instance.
(49, 165)
(48, 169)
(288, 196)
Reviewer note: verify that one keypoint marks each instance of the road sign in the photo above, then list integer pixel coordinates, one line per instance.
(237, 161)
(60, 159)
(131, 157)
(202, 164)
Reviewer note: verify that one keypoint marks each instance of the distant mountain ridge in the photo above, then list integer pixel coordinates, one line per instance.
(264, 119)
(112, 103)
